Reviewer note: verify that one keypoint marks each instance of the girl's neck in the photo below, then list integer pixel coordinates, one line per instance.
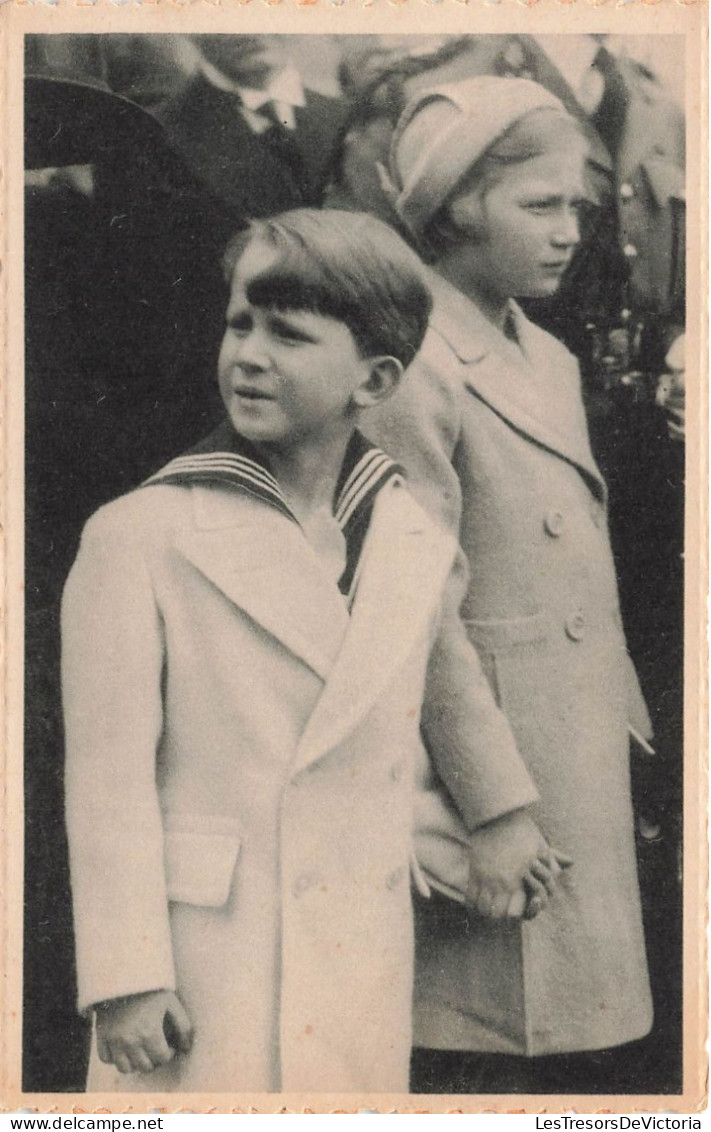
(307, 473)
(494, 307)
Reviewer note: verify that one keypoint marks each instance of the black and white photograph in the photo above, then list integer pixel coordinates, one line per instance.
(355, 484)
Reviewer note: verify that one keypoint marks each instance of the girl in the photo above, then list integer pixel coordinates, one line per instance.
(488, 179)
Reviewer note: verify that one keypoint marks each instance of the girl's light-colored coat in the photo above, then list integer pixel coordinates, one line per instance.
(495, 442)
(241, 757)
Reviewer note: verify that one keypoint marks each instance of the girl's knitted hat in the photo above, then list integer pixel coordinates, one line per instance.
(442, 133)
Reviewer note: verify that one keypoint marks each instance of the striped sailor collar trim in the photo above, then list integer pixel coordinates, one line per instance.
(226, 458)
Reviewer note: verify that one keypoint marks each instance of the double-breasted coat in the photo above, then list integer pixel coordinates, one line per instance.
(494, 438)
(241, 762)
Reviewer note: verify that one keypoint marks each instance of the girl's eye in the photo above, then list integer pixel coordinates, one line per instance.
(540, 207)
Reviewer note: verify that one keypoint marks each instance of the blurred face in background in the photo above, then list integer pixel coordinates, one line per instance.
(247, 60)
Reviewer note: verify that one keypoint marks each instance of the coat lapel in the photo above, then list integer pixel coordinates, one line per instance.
(260, 560)
(319, 126)
(405, 562)
(535, 388)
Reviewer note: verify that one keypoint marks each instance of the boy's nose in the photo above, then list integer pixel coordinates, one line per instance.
(251, 353)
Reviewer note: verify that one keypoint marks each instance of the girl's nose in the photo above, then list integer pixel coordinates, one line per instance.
(566, 231)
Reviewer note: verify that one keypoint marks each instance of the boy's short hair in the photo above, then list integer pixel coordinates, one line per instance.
(345, 265)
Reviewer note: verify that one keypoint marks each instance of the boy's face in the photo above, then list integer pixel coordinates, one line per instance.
(285, 376)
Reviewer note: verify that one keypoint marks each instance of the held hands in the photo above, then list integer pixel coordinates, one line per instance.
(142, 1031)
(513, 871)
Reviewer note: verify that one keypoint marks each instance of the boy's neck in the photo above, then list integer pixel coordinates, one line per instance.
(308, 473)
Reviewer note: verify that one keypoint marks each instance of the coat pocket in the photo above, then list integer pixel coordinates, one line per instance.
(497, 635)
(200, 862)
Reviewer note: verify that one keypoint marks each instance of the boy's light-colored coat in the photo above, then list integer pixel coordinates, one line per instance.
(495, 442)
(241, 757)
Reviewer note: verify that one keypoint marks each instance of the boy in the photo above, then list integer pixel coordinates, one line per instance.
(245, 647)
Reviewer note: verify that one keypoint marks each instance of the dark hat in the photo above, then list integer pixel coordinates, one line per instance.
(78, 123)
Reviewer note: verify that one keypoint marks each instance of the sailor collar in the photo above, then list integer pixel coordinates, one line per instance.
(226, 459)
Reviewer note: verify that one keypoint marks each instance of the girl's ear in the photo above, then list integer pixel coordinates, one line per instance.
(381, 382)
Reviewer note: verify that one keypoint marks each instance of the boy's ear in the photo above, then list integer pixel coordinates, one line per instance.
(382, 381)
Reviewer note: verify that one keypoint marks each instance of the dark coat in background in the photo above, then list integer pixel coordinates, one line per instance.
(252, 174)
(123, 314)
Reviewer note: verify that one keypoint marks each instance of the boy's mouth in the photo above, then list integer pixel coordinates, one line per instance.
(249, 393)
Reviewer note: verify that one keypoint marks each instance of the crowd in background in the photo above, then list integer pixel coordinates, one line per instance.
(145, 153)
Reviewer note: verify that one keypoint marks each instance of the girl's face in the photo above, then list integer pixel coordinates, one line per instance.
(530, 228)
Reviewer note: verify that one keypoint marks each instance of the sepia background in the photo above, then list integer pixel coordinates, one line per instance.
(134, 184)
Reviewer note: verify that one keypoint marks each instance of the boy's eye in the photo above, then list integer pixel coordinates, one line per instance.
(288, 329)
(240, 324)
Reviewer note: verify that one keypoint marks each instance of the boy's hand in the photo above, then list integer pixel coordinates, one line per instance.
(131, 1032)
(503, 854)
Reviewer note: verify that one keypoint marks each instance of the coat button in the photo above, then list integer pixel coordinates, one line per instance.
(554, 523)
(513, 58)
(629, 251)
(575, 626)
(395, 878)
(302, 884)
(396, 771)
(626, 191)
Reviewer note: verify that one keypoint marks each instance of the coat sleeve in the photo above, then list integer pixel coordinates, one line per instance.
(112, 660)
(419, 427)
(468, 737)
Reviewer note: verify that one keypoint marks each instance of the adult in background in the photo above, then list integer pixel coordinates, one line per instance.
(249, 128)
(488, 177)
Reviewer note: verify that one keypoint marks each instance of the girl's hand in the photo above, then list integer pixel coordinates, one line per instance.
(500, 856)
(541, 880)
(513, 871)
(142, 1031)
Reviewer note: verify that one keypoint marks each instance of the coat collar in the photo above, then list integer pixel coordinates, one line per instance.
(227, 459)
(259, 559)
(532, 382)
(247, 542)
